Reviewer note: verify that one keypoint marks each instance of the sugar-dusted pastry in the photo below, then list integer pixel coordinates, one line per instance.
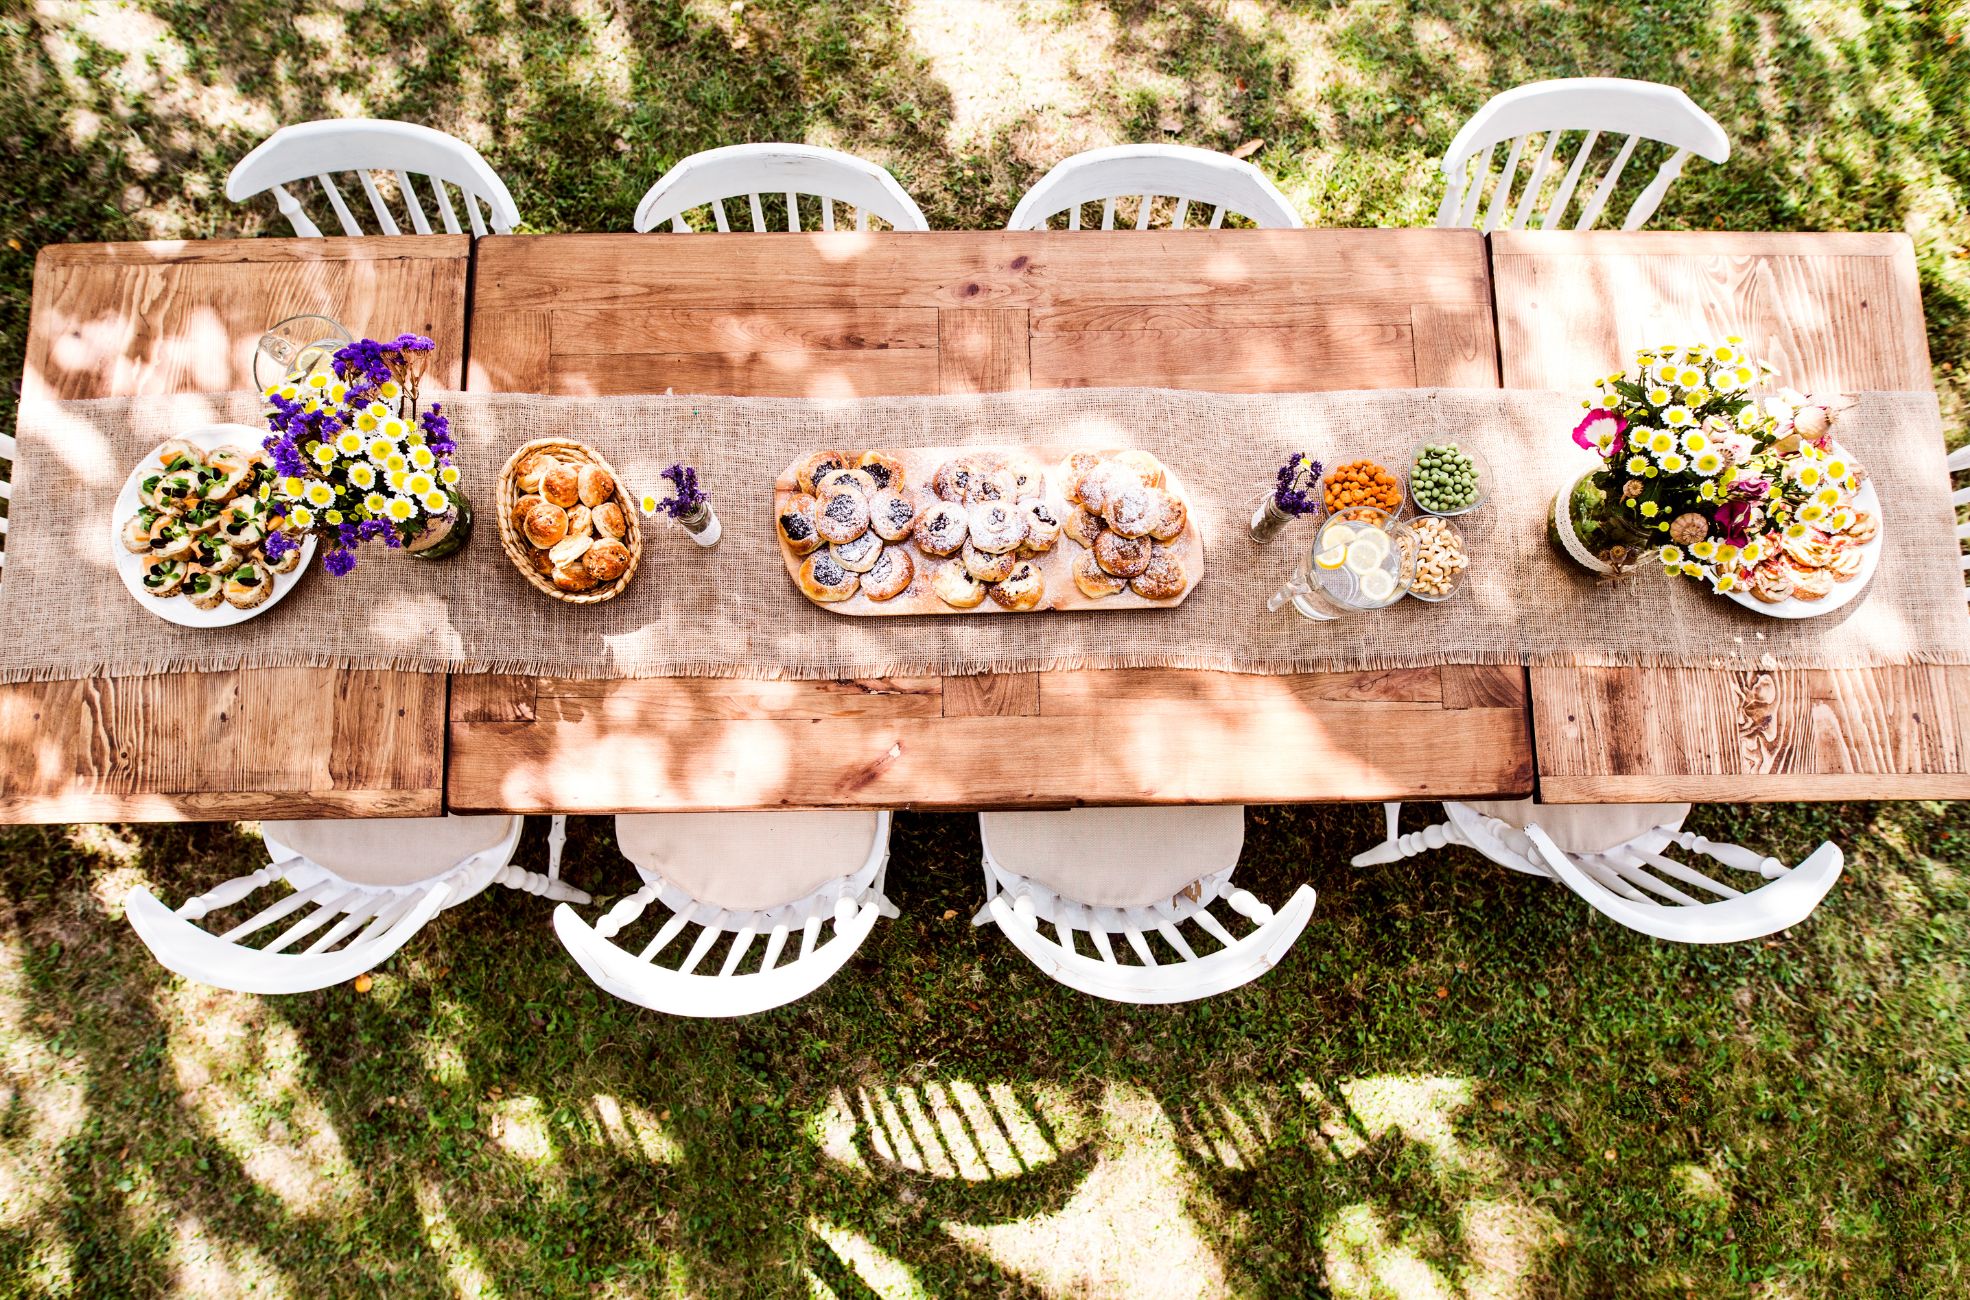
(1094, 488)
(205, 589)
(1846, 564)
(1145, 466)
(606, 560)
(796, 523)
(249, 585)
(609, 520)
(1162, 578)
(819, 466)
(1132, 510)
(137, 530)
(594, 485)
(1028, 479)
(1093, 580)
(940, 530)
(993, 484)
(859, 556)
(1078, 464)
(562, 485)
(893, 513)
(1042, 527)
(533, 470)
(987, 567)
(1171, 517)
(177, 453)
(852, 480)
(884, 470)
(995, 526)
(1122, 556)
(572, 577)
(891, 574)
(581, 521)
(544, 525)
(1810, 584)
(842, 516)
(1023, 589)
(569, 550)
(164, 577)
(957, 588)
(1771, 582)
(1084, 525)
(953, 479)
(823, 578)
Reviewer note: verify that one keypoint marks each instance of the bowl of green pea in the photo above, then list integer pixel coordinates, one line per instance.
(1447, 477)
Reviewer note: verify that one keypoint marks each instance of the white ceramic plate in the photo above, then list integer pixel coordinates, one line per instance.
(1843, 593)
(130, 568)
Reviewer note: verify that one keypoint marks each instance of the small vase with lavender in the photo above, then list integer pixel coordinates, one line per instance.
(1296, 493)
(687, 505)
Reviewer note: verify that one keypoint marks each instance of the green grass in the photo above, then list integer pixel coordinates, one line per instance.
(1456, 1084)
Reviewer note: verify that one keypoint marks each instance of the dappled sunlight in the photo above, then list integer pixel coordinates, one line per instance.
(882, 1273)
(463, 1263)
(952, 1128)
(243, 1074)
(1423, 1110)
(520, 1129)
(42, 1100)
(206, 1264)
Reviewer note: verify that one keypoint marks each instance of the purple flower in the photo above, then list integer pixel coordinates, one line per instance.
(1298, 492)
(339, 561)
(686, 497)
(277, 545)
(1734, 518)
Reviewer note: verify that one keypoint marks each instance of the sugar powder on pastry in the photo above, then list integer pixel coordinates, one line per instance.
(1172, 516)
(850, 480)
(985, 566)
(1162, 578)
(1084, 525)
(995, 526)
(858, 556)
(842, 517)
(1094, 581)
(823, 578)
(957, 588)
(885, 470)
(1042, 527)
(796, 523)
(817, 467)
(1145, 466)
(1124, 557)
(952, 481)
(891, 575)
(1023, 589)
(893, 513)
(940, 531)
(1132, 510)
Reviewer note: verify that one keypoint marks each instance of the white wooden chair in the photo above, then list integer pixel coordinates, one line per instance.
(826, 176)
(741, 875)
(1959, 460)
(358, 890)
(318, 150)
(1615, 856)
(1225, 184)
(1133, 873)
(1544, 111)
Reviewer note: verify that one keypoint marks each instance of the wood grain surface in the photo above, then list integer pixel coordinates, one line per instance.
(1056, 566)
(846, 315)
(120, 319)
(1834, 313)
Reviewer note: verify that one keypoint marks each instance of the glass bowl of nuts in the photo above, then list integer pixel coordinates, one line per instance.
(1446, 477)
(1441, 560)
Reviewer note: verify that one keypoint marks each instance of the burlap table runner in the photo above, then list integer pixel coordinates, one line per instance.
(732, 611)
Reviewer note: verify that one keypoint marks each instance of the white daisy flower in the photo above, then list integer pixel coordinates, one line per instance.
(1671, 556)
(362, 476)
(435, 501)
(1672, 462)
(1695, 441)
(1812, 513)
(422, 458)
(324, 455)
(349, 443)
(301, 517)
(367, 422)
(1677, 416)
(292, 487)
(1704, 549)
(419, 483)
(320, 495)
(395, 428)
(401, 509)
(448, 476)
(1708, 463)
(375, 504)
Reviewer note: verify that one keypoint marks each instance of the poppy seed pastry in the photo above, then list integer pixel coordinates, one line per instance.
(819, 466)
(851, 480)
(796, 524)
(952, 481)
(893, 513)
(886, 471)
(823, 578)
(940, 531)
(572, 577)
(858, 556)
(957, 588)
(985, 566)
(1022, 590)
(1042, 527)
(534, 469)
(842, 516)
(580, 522)
(891, 574)
(995, 526)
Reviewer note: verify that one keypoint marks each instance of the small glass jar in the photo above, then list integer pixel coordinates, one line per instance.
(445, 535)
(1589, 528)
(702, 525)
(295, 348)
(1269, 517)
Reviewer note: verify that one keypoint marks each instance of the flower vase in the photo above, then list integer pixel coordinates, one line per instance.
(1589, 528)
(1268, 518)
(445, 535)
(702, 525)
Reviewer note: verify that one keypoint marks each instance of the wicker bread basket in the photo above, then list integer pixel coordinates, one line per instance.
(517, 548)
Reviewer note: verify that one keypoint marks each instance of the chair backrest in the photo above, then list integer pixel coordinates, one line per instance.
(1589, 108)
(397, 153)
(1145, 172)
(368, 924)
(1958, 460)
(1693, 901)
(763, 173)
(1227, 962)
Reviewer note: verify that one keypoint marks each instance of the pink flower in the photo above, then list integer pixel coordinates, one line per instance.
(1598, 424)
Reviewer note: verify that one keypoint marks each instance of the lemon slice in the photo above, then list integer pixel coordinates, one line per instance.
(1337, 534)
(1372, 542)
(1377, 584)
(1331, 558)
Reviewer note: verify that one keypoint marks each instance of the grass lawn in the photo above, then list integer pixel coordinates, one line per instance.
(1455, 1085)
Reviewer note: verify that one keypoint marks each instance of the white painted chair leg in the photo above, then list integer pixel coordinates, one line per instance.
(557, 837)
(1397, 847)
(540, 886)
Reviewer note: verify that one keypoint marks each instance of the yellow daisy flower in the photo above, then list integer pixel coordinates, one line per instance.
(448, 476)
(1658, 396)
(1677, 417)
(401, 509)
(320, 495)
(422, 457)
(301, 517)
(349, 443)
(363, 476)
(435, 501)
(419, 484)
(374, 503)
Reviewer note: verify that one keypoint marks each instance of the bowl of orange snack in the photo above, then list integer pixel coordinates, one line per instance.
(1362, 483)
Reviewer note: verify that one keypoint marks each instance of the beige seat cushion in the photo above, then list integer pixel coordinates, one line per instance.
(391, 850)
(1586, 827)
(748, 862)
(1116, 857)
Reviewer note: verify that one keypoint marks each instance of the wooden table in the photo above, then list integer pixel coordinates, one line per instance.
(1833, 313)
(118, 319)
(855, 315)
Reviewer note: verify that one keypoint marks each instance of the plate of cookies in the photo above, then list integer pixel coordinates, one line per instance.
(566, 521)
(189, 530)
(1011, 530)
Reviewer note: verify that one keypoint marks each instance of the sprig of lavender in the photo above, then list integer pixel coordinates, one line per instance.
(685, 498)
(1299, 483)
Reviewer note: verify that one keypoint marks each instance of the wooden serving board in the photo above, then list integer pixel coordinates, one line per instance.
(1056, 566)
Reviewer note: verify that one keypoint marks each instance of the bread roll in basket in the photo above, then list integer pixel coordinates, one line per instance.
(534, 561)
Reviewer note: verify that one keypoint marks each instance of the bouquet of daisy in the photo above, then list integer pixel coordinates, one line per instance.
(1704, 473)
(355, 459)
